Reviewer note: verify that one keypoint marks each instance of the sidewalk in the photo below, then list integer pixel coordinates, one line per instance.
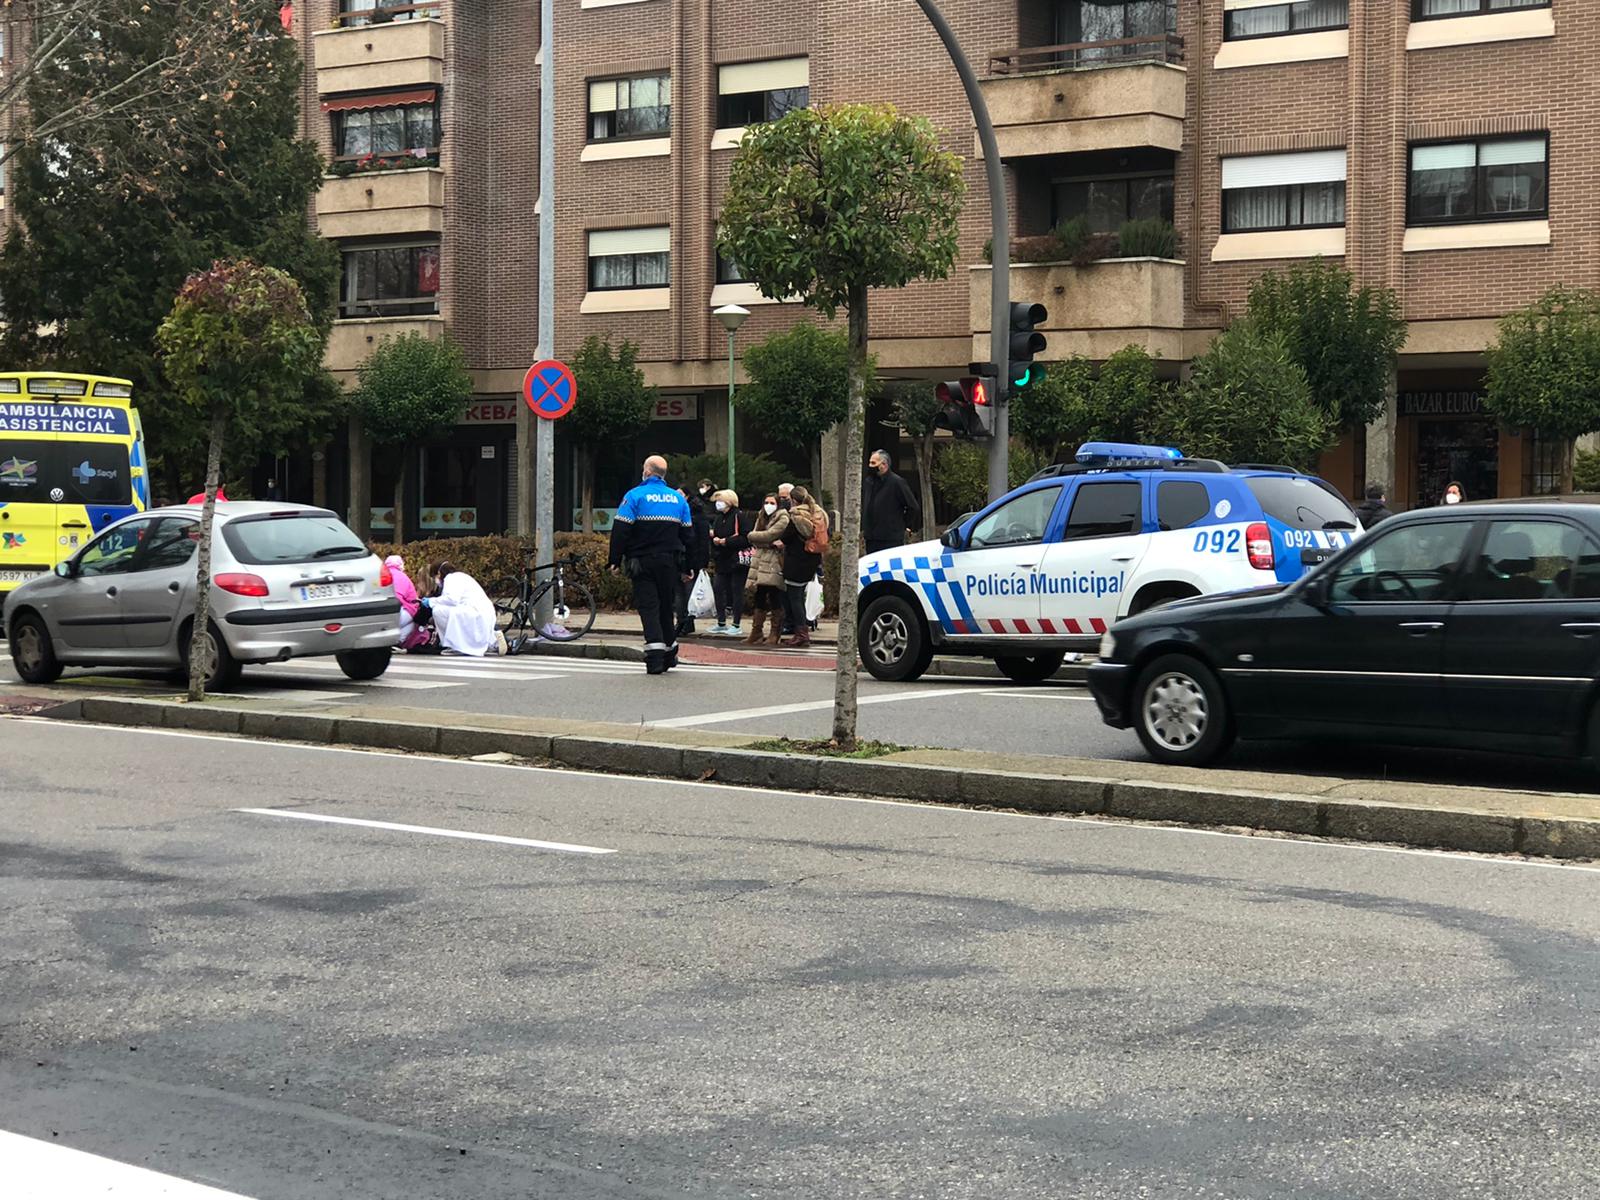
(1559, 825)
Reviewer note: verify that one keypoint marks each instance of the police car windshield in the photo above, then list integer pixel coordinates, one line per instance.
(1300, 503)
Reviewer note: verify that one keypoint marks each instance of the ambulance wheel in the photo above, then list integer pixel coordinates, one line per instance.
(895, 646)
(32, 653)
(1030, 668)
(1181, 712)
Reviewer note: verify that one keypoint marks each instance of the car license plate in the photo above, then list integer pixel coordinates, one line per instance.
(329, 591)
(19, 576)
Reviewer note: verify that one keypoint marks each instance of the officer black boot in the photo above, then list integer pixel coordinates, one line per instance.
(655, 662)
(671, 657)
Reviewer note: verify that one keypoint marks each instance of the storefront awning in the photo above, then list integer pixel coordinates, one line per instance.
(382, 100)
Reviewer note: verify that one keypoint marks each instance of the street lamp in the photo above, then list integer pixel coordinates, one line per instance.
(731, 316)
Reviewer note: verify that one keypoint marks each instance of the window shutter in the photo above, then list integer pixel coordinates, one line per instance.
(1279, 170)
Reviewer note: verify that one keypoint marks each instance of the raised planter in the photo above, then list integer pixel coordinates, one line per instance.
(1095, 310)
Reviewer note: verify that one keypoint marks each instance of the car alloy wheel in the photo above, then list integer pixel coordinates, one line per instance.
(888, 638)
(1176, 713)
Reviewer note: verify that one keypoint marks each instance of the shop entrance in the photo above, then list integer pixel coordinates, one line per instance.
(1466, 451)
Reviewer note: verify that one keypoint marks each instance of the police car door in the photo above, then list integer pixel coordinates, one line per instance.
(995, 574)
(1085, 573)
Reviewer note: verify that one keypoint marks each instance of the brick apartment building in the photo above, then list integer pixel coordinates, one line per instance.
(1437, 147)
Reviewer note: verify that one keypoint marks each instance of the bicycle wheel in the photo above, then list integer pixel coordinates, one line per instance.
(511, 616)
(572, 611)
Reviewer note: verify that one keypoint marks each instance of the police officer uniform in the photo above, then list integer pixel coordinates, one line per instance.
(652, 540)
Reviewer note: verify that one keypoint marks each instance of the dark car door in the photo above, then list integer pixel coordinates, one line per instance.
(1523, 643)
(1370, 653)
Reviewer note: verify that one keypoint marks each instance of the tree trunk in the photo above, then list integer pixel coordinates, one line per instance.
(1569, 454)
(199, 659)
(814, 461)
(586, 469)
(844, 688)
(925, 479)
(399, 534)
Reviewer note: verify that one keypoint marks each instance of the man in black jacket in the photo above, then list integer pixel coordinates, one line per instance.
(1374, 508)
(888, 507)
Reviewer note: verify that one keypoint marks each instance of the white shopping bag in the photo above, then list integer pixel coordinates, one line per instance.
(813, 600)
(702, 601)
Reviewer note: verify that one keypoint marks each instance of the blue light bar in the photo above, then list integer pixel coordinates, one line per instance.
(1103, 454)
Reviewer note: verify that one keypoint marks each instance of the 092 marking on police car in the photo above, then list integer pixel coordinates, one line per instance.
(1218, 541)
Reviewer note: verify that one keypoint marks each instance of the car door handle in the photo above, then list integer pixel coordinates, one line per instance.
(174, 588)
(111, 593)
(1122, 558)
(73, 525)
(1582, 629)
(1027, 566)
(1418, 628)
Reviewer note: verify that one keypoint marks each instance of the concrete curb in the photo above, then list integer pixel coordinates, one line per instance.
(1350, 819)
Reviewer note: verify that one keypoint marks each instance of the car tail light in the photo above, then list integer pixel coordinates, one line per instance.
(1258, 544)
(385, 577)
(242, 585)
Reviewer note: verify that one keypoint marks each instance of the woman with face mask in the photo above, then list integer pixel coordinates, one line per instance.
(1453, 494)
(767, 567)
(731, 564)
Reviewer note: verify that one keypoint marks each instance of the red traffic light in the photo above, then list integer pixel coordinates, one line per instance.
(978, 390)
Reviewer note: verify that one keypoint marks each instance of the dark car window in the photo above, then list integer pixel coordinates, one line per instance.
(302, 537)
(172, 544)
(112, 553)
(1105, 509)
(1180, 503)
(26, 471)
(94, 472)
(1300, 503)
(1016, 521)
(1417, 562)
(1533, 560)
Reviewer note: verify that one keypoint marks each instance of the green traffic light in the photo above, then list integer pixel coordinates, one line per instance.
(1022, 380)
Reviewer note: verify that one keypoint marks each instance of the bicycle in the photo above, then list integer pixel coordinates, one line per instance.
(516, 603)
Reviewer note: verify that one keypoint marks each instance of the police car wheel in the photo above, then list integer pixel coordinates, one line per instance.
(1181, 713)
(1030, 668)
(32, 652)
(894, 644)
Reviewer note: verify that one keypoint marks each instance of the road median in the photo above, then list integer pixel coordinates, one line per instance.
(1554, 825)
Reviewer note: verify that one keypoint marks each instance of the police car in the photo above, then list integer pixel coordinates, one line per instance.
(1047, 569)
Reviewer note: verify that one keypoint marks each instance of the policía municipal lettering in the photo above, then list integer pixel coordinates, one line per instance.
(1073, 583)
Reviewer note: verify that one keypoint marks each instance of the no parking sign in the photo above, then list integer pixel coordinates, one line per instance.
(550, 389)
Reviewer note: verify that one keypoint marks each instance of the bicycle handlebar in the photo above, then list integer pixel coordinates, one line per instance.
(569, 561)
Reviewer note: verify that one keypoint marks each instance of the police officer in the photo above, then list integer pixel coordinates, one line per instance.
(652, 539)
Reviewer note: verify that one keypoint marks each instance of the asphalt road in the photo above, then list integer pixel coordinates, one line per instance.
(759, 994)
(969, 714)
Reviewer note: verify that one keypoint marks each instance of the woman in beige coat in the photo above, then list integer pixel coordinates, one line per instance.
(766, 571)
(791, 529)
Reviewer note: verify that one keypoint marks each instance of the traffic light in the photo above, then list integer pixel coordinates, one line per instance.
(1025, 343)
(965, 407)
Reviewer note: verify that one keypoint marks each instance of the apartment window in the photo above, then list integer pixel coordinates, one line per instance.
(1268, 192)
(394, 129)
(629, 258)
(381, 12)
(1107, 203)
(1247, 19)
(729, 271)
(390, 280)
(750, 93)
(1096, 22)
(1433, 10)
(630, 108)
(1498, 179)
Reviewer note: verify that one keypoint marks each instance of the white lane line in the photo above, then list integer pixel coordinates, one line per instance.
(464, 835)
(783, 710)
(49, 1171)
(824, 797)
(1036, 694)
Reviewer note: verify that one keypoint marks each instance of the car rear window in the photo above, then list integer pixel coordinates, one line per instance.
(301, 538)
(1180, 503)
(1300, 503)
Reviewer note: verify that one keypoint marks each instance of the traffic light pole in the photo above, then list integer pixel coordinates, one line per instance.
(999, 258)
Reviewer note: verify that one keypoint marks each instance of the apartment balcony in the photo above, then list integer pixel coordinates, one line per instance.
(1085, 96)
(392, 54)
(1095, 310)
(351, 342)
(381, 203)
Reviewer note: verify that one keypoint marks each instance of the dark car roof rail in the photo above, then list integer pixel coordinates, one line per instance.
(1278, 467)
(1204, 466)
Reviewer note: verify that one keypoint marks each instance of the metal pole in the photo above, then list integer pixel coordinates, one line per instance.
(732, 485)
(1000, 257)
(544, 540)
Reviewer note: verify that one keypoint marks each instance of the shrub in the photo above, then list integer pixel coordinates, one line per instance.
(1149, 238)
(961, 471)
(1586, 471)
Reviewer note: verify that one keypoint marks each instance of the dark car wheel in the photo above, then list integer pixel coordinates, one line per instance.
(895, 646)
(1181, 712)
(1030, 668)
(32, 653)
(222, 669)
(364, 664)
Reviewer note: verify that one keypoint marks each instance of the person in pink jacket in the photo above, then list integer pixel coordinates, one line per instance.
(411, 634)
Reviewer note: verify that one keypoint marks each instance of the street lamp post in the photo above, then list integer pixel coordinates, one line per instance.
(731, 316)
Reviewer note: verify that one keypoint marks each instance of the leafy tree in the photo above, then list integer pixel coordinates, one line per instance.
(1544, 369)
(1586, 471)
(1072, 404)
(915, 408)
(1246, 401)
(410, 389)
(826, 205)
(243, 352)
(799, 386)
(961, 471)
(613, 404)
(113, 215)
(1346, 339)
(758, 474)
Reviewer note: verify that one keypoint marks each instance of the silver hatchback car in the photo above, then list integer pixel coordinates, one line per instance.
(288, 581)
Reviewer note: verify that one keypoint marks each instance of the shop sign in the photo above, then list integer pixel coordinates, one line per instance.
(678, 408)
(1465, 403)
(602, 519)
(489, 412)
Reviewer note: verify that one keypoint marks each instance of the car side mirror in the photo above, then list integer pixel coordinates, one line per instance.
(951, 538)
(66, 569)
(1316, 591)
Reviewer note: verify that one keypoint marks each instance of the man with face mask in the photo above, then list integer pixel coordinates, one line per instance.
(888, 507)
(652, 540)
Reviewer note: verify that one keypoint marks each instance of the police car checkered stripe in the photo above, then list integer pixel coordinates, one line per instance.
(937, 582)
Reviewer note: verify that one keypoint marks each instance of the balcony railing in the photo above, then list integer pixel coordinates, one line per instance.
(1160, 48)
(382, 14)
